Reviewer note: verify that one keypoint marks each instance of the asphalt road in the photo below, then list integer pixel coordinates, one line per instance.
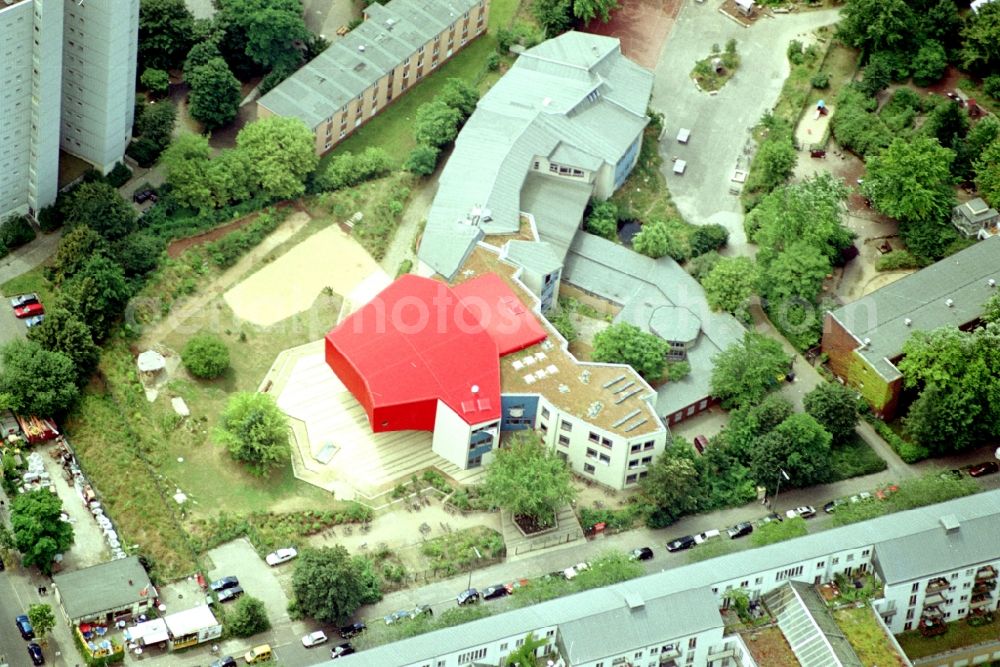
(12, 605)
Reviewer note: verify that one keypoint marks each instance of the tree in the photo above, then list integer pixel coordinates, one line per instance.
(37, 381)
(280, 153)
(730, 283)
(99, 205)
(748, 423)
(744, 373)
(39, 532)
(61, 331)
(422, 160)
(165, 31)
(436, 124)
(200, 54)
(525, 655)
(624, 343)
(138, 253)
(156, 124)
(187, 164)
(265, 30)
(603, 220)
(835, 407)
(458, 94)
(911, 180)
(948, 123)
(97, 295)
(42, 619)
(799, 445)
(878, 75)
(968, 153)
(329, 585)
(655, 240)
(930, 63)
(248, 617)
(988, 173)
(528, 480)
(671, 486)
(255, 431)
(75, 248)
(215, 94)
(991, 309)
(981, 40)
(205, 356)
(775, 161)
(554, 16)
(706, 238)
(156, 81)
(796, 273)
(877, 25)
(588, 10)
(779, 531)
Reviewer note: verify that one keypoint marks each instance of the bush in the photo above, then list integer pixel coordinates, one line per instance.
(603, 220)
(227, 250)
(897, 260)
(422, 160)
(205, 356)
(144, 151)
(15, 231)
(991, 86)
(796, 54)
(854, 459)
(248, 617)
(119, 175)
(820, 81)
(908, 451)
(493, 62)
(707, 238)
(347, 169)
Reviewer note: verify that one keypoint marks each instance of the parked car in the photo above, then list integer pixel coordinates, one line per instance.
(34, 321)
(314, 639)
(29, 310)
(280, 556)
(140, 196)
(740, 530)
(35, 653)
(700, 443)
(227, 661)
(469, 596)
(804, 511)
(352, 630)
(420, 610)
(984, 468)
(340, 650)
(642, 553)
(23, 300)
(681, 543)
(832, 506)
(396, 616)
(862, 497)
(495, 592)
(224, 583)
(24, 627)
(230, 594)
(260, 653)
(701, 538)
(516, 584)
(763, 521)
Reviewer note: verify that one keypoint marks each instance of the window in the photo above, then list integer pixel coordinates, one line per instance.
(478, 654)
(908, 626)
(518, 643)
(565, 426)
(964, 598)
(606, 442)
(605, 459)
(591, 453)
(421, 50)
(821, 563)
(913, 600)
(909, 614)
(866, 553)
(593, 437)
(564, 441)
(649, 444)
(545, 413)
(634, 448)
(589, 469)
(758, 581)
(834, 561)
(915, 588)
(503, 647)
(543, 427)
(550, 633)
(638, 654)
(630, 479)
(692, 642)
(646, 460)
(633, 464)
(850, 557)
(788, 573)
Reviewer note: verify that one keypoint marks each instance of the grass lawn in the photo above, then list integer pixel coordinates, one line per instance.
(866, 637)
(32, 281)
(959, 634)
(769, 647)
(840, 63)
(707, 78)
(854, 458)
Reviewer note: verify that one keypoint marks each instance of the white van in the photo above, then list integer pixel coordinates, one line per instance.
(701, 538)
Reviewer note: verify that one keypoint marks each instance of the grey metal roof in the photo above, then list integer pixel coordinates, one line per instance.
(936, 549)
(976, 211)
(557, 205)
(101, 588)
(641, 285)
(535, 256)
(702, 575)
(352, 64)
(809, 628)
(889, 315)
(574, 98)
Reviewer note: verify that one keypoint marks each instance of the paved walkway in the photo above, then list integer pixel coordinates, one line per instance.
(401, 246)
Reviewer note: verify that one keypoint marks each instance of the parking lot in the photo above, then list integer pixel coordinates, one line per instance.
(256, 577)
(11, 328)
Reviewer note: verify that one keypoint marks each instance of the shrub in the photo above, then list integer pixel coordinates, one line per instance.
(991, 86)
(205, 356)
(144, 151)
(493, 62)
(897, 260)
(796, 55)
(347, 169)
(603, 220)
(156, 81)
(908, 451)
(119, 175)
(15, 231)
(232, 246)
(422, 160)
(820, 81)
(707, 238)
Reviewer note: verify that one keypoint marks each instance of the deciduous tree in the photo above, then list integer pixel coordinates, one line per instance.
(42, 619)
(248, 617)
(458, 94)
(744, 373)
(215, 94)
(655, 240)
(707, 238)
(528, 480)
(255, 431)
(99, 206)
(981, 39)
(61, 331)
(205, 356)
(603, 220)
(988, 173)
(436, 124)
(97, 295)
(589, 10)
(799, 446)
(281, 154)
(930, 63)
(37, 381)
(422, 160)
(911, 180)
(156, 81)
(624, 343)
(554, 16)
(835, 407)
(671, 486)
(75, 248)
(329, 585)
(730, 283)
(267, 30)
(39, 531)
(165, 32)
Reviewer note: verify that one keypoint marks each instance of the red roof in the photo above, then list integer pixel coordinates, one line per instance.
(511, 324)
(420, 341)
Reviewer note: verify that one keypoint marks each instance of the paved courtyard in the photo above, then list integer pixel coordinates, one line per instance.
(720, 123)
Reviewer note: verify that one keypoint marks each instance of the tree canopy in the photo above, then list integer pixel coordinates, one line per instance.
(97, 295)
(731, 283)
(63, 332)
(590, 10)
(436, 123)
(799, 446)
(255, 431)
(265, 29)
(42, 619)
(205, 356)
(329, 585)
(280, 153)
(98, 205)
(835, 407)
(981, 39)
(165, 32)
(672, 483)
(529, 480)
(911, 180)
(655, 240)
(624, 343)
(988, 173)
(75, 249)
(39, 532)
(744, 373)
(248, 617)
(215, 94)
(422, 160)
(37, 381)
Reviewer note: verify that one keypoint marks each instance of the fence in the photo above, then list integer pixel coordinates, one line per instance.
(546, 542)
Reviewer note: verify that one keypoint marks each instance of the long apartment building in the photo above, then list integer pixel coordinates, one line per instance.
(942, 558)
(393, 49)
(68, 81)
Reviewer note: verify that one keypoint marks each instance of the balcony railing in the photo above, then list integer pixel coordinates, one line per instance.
(935, 599)
(988, 572)
(937, 585)
(721, 654)
(980, 601)
(932, 613)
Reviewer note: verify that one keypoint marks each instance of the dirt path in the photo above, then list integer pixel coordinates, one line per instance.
(401, 247)
(157, 331)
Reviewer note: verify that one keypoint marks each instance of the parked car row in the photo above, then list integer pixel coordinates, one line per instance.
(226, 589)
(28, 634)
(28, 308)
(741, 529)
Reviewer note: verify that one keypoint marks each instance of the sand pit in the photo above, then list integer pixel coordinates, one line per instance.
(291, 283)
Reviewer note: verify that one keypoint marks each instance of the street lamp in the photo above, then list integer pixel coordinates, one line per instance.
(478, 556)
(777, 487)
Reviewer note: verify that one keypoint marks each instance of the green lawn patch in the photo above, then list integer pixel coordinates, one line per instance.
(867, 637)
(456, 552)
(853, 459)
(958, 635)
(713, 72)
(32, 281)
(380, 202)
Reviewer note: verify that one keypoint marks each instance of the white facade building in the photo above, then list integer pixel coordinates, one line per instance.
(68, 81)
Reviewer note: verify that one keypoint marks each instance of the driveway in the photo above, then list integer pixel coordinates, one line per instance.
(720, 124)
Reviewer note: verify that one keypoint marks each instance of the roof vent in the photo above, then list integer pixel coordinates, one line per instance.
(594, 409)
(950, 523)
(867, 342)
(991, 282)
(361, 48)
(585, 377)
(907, 321)
(634, 601)
(950, 303)
(475, 389)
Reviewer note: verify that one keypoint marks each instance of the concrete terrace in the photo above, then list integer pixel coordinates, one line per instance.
(333, 446)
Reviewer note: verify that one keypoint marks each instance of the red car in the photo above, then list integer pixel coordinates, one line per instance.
(985, 468)
(29, 310)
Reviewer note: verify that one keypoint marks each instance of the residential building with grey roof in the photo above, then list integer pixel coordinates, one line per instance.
(360, 74)
(106, 592)
(864, 339)
(923, 557)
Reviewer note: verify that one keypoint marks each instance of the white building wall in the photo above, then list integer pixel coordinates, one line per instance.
(16, 27)
(687, 650)
(43, 185)
(100, 42)
(492, 653)
(898, 596)
(451, 436)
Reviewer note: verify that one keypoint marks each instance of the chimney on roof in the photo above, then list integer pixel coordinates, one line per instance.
(361, 48)
(907, 321)
(950, 523)
(950, 303)
(991, 282)
(867, 342)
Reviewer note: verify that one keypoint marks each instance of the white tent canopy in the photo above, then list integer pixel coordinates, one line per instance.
(151, 361)
(150, 632)
(190, 621)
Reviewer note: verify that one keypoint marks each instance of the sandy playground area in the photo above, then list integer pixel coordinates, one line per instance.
(291, 283)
